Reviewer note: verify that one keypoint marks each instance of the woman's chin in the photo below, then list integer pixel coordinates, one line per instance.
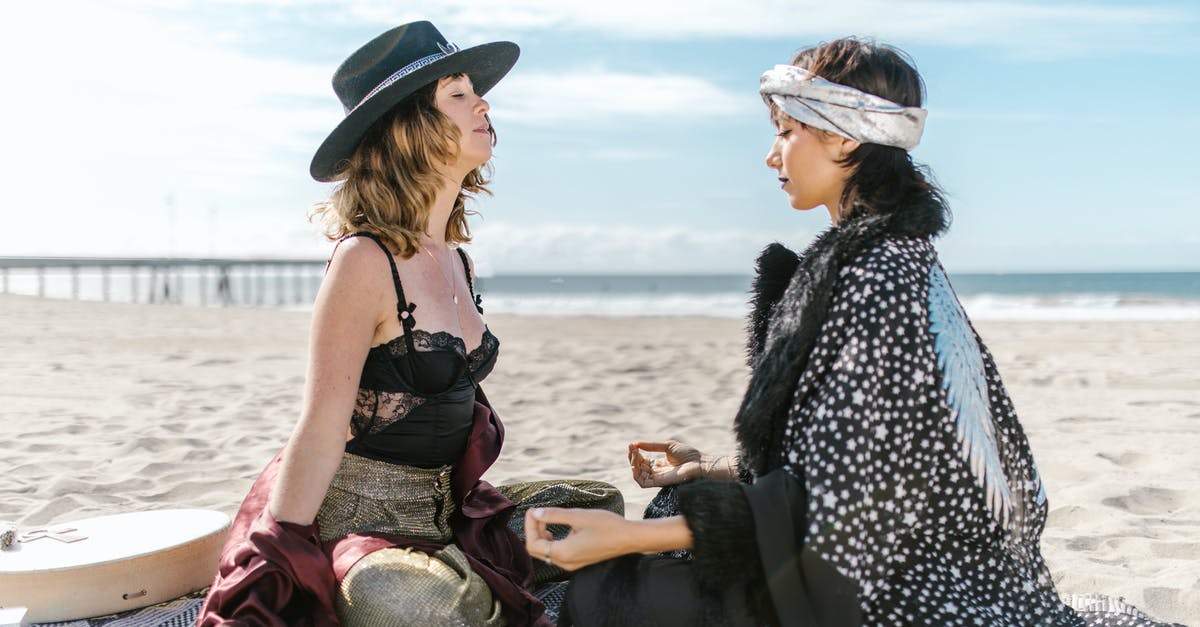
(470, 163)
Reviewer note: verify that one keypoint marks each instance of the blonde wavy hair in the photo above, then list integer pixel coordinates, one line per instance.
(390, 182)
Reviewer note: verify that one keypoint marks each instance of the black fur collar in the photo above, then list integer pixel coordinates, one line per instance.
(792, 295)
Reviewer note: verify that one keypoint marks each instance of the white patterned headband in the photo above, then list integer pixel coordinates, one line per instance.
(842, 110)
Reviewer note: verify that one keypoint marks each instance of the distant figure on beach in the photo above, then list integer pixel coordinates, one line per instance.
(374, 512)
(224, 291)
(882, 475)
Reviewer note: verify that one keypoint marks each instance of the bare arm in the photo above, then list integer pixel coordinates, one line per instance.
(347, 311)
(597, 535)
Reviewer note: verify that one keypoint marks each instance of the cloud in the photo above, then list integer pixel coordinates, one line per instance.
(121, 108)
(143, 102)
(1025, 28)
(156, 95)
(504, 248)
(599, 96)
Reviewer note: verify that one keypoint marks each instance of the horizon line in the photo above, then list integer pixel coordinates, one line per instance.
(8, 262)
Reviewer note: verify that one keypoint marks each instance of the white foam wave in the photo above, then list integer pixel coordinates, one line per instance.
(731, 305)
(734, 305)
(295, 291)
(1080, 307)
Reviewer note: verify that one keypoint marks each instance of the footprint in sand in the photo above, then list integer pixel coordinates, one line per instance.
(1085, 419)
(54, 509)
(147, 444)
(1160, 403)
(1176, 550)
(1084, 544)
(1128, 459)
(216, 362)
(1148, 501)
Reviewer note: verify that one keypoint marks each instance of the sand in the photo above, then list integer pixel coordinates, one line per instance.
(113, 407)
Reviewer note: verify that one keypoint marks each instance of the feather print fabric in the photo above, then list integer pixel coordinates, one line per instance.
(965, 382)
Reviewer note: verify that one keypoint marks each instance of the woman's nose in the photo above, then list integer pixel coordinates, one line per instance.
(482, 106)
(773, 157)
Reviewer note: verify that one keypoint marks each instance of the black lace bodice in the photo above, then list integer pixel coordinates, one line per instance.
(416, 396)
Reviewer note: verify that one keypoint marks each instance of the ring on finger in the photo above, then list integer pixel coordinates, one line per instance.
(546, 559)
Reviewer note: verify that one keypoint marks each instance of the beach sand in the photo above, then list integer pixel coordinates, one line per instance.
(109, 408)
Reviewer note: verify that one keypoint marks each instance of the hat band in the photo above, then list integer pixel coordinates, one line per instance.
(447, 49)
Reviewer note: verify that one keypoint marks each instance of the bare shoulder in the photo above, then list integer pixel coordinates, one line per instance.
(360, 266)
(357, 254)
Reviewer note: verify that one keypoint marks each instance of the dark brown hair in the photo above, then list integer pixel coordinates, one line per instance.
(882, 178)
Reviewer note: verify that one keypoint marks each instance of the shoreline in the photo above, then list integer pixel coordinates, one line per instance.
(113, 407)
(292, 285)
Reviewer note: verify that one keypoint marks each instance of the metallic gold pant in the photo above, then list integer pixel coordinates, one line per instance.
(408, 587)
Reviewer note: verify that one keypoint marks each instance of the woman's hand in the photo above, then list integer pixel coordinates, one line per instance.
(597, 535)
(681, 464)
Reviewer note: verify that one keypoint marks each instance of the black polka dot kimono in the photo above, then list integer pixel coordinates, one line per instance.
(888, 482)
(921, 488)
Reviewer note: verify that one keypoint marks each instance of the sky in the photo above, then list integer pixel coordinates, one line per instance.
(631, 134)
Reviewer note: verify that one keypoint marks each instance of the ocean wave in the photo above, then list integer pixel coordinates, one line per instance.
(1032, 297)
(1081, 307)
(732, 305)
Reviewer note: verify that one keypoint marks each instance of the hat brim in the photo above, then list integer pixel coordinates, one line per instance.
(486, 64)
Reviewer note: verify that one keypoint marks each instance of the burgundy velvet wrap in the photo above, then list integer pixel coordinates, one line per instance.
(273, 573)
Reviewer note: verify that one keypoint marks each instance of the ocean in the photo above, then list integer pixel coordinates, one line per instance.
(1071, 296)
(1082, 296)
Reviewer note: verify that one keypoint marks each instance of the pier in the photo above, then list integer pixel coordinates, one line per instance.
(166, 280)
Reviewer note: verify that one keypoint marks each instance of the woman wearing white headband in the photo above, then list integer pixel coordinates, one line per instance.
(882, 475)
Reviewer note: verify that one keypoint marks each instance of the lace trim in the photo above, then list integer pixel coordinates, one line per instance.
(487, 347)
(425, 341)
(375, 411)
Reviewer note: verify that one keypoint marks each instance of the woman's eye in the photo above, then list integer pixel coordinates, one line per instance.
(783, 132)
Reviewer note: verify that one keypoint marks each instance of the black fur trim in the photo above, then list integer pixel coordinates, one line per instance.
(617, 588)
(723, 545)
(773, 271)
(783, 335)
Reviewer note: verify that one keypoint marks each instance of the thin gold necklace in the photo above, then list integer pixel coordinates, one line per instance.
(442, 270)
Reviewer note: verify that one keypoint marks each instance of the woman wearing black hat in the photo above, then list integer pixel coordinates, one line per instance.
(882, 476)
(374, 512)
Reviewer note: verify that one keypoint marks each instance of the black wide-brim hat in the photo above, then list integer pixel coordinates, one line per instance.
(393, 66)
